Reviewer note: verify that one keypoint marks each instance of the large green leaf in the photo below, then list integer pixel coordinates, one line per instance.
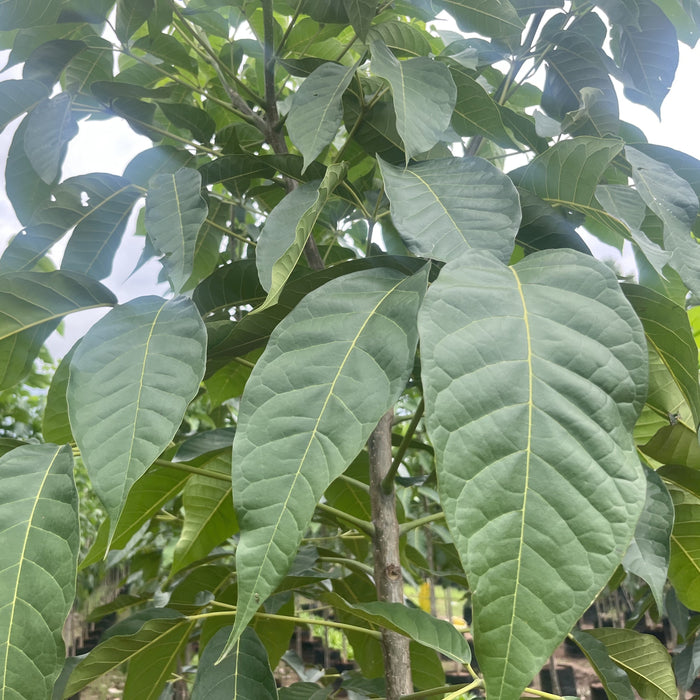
(316, 111)
(534, 377)
(299, 430)
(649, 552)
(175, 211)
(209, 515)
(674, 444)
(131, 14)
(673, 200)
(444, 207)
(235, 284)
(424, 97)
(285, 234)
(493, 19)
(50, 126)
(41, 537)
(28, 13)
(151, 643)
(360, 13)
(615, 680)
(643, 658)
(414, 623)
(244, 674)
(32, 305)
(18, 97)
(131, 379)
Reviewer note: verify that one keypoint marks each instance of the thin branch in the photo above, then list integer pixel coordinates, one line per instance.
(349, 564)
(388, 482)
(361, 525)
(184, 467)
(419, 522)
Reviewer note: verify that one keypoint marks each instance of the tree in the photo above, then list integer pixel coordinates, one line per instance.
(327, 191)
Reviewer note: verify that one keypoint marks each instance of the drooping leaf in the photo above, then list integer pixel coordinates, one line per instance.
(360, 13)
(56, 425)
(674, 444)
(49, 59)
(527, 425)
(32, 305)
(151, 644)
(235, 284)
(649, 552)
(316, 111)
(41, 538)
(644, 659)
(648, 56)
(284, 236)
(424, 97)
(50, 127)
(673, 200)
(131, 14)
(198, 122)
(18, 97)
(414, 623)
(203, 443)
(209, 517)
(175, 211)
(498, 20)
(236, 172)
(243, 674)
(614, 679)
(686, 664)
(131, 379)
(343, 330)
(444, 207)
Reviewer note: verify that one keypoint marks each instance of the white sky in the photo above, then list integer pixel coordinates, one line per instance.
(107, 146)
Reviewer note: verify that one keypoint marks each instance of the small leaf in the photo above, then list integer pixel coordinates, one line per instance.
(498, 20)
(175, 211)
(235, 284)
(243, 674)
(195, 120)
(649, 552)
(56, 425)
(131, 14)
(360, 13)
(285, 234)
(518, 334)
(18, 97)
(316, 111)
(358, 325)
(645, 660)
(131, 379)
(414, 623)
(50, 127)
(32, 305)
(444, 207)
(424, 97)
(41, 537)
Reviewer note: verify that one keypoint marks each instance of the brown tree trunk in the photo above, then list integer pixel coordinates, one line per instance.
(387, 563)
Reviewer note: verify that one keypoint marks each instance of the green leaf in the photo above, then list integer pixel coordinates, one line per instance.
(28, 247)
(32, 305)
(403, 39)
(204, 443)
(209, 516)
(151, 645)
(243, 674)
(313, 426)
(424, 97)
(648, 56)
(28, 13)
(41, 538)
(18, 97)
(235, 284)
(684, 16)
(175, 211)
(649, 552)
(56, 425)
(669, 335)
(50, 126)
(49, 60)
(93, 64)
(131, 379)
(539, 375)
(284, 236)
(195, 120)
(317, 111)
(615, 681)
(673, 200)
(643, 658)
(444, 207)
(131, 14)
(360, 13)
(674, 444)
(497, 20)
(414, 623)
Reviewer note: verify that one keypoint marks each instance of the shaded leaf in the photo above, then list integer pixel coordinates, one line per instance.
(175, 211)
(358, 325)
(131, 14)
(41, 538)
(49, 59)
(195, 120)
(316, 111)
(204, 443)
(245, 671)
(360, 13)
(32, 305)
(131, 379)
(645, 660)
(424, 97)
(674, 444)
(444, 207)
(28, 247)
(56, 425)
(235, 284)
(536, 357)
(18, 97)
(28, 13)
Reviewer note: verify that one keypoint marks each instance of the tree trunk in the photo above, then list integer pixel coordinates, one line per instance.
(387, 563)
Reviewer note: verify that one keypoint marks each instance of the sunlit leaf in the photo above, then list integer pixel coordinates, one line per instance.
(493, 19)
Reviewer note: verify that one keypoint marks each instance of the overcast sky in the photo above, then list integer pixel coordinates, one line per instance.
(107, 146)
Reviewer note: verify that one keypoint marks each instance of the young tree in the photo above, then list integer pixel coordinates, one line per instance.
(330, 188)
